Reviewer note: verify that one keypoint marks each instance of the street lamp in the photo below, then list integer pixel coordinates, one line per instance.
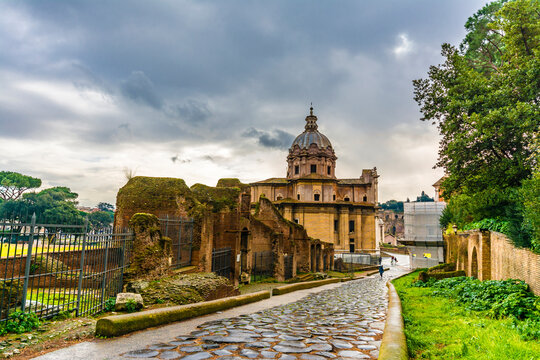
(454, 227)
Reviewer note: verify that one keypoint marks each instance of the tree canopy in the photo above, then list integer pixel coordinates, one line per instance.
(485, 101)
(13, 184)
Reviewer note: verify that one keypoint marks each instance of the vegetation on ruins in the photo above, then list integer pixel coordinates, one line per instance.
(485, 102)
(460, 318)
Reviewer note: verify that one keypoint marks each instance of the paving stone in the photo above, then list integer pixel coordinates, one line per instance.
(347, 318)
(191, 349)
(162, 346)
(353, 354)
(290, 349)
(144, 353)
(197, 356)
(222, 352)
(169, 355)
(326, 354)
(268, 354)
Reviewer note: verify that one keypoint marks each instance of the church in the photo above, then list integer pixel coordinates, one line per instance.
(338, 211)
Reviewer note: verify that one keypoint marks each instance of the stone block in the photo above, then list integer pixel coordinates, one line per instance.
(122, 300)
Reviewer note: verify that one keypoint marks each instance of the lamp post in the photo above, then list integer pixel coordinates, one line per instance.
(454, 227)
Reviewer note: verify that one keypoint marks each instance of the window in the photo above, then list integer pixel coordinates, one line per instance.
(351, 241)
(335, 225)
(296, 169)
(365, 198)
(296, 221)
(334, 197)
(328, 170)
(396, 216)
(351, 225)
(317, 197)
(346, 198)
(298, 196)
(279, 198)
(313, 169)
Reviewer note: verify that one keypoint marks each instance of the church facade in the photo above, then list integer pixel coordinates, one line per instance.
(338, 211)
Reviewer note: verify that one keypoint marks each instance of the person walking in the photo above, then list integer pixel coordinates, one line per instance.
(381, 270)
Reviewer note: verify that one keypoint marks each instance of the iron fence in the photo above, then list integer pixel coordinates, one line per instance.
(221, 262)
(263, 265)
(54, 268)
(180, 231)
(350, 262)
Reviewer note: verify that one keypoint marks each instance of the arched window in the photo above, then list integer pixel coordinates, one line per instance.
(346, 198)
(365, 198)
(298, 196)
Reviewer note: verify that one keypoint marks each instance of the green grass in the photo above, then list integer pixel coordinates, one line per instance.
(439, 328)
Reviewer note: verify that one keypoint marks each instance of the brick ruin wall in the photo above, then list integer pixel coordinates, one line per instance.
(496, 258)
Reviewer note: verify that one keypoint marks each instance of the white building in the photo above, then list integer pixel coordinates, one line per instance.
(423, 234)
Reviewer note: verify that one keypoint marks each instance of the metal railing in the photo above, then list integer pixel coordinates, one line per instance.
(262, 265)
(221, 262)
(54, 268)
(180, 231)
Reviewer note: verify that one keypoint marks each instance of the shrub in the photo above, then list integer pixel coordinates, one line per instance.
(109, 304)
(19, 322)
(131, 306)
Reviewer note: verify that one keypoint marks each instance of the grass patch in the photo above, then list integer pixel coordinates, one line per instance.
(440, 328)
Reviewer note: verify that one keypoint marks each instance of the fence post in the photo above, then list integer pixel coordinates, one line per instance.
(123, 261)
(179, 251)
(104, 273)
(28, 262)
(190, 241)
(81, 274)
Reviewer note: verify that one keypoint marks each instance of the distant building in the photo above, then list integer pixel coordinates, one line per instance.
(390, 240)
(338, 211)
(423, 234)
(439, 190)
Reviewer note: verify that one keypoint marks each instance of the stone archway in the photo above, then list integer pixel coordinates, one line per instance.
(474, 263)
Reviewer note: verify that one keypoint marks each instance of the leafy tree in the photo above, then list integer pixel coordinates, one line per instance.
(13, 184)
(103, 206)
(485, 100)
(53, 206)
(393, 205)
(100, 219)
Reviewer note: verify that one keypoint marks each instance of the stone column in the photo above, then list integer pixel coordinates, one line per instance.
(343, 228)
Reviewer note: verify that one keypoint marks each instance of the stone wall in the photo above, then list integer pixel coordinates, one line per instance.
(491, 256)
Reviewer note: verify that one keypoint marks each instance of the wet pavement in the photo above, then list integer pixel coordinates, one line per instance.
(346, 322)
(340, 320)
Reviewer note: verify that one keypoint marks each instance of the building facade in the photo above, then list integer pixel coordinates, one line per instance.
(423, 234)
(339, 211)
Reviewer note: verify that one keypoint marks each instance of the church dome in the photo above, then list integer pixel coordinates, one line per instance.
(311, 135)
(305, 139)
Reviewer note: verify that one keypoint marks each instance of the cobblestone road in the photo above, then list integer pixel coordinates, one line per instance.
(341, 323)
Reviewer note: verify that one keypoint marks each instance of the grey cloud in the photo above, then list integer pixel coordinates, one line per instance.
(278, 139)
(192, 111)
(139, 88)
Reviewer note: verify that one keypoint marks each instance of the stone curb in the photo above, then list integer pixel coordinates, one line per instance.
(303, 285)
(394, 344)
(117, 325)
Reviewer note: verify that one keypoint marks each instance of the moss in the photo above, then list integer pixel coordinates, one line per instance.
(218, 198)
(152, 193)
(183, 289)
(123, 324)
(232, 183)
(301, 286)
(442, 268)
(144, 221)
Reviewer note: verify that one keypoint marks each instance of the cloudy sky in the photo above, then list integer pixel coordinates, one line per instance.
(208, 89)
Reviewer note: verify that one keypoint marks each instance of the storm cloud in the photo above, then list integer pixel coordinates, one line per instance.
(225, 85)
